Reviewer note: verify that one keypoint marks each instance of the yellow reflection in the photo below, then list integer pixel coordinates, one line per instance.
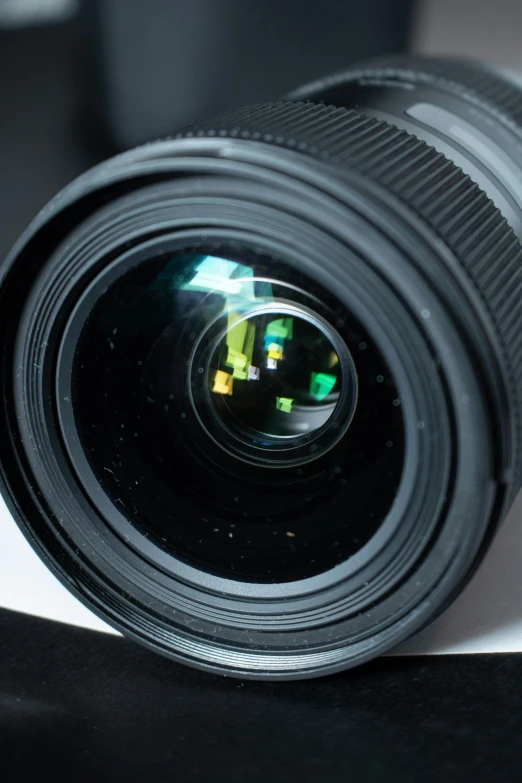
(223, 383)
(275, 351)
(333, 359)
(240, 345)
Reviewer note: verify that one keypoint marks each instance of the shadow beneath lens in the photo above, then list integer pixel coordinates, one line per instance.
(487, 616)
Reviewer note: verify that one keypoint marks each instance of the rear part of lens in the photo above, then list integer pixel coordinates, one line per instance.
(263, 388)
(469, 112)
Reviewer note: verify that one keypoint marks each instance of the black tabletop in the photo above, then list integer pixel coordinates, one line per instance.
(81, 705)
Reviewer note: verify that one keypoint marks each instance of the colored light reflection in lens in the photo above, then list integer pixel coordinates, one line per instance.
(280, 375)
(276, 372)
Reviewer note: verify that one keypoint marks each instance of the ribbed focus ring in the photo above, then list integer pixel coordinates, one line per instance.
(431, 185)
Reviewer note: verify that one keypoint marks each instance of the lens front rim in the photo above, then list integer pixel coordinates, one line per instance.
(143, 545)
(239, 661)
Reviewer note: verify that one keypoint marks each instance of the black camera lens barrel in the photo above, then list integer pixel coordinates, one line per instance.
(316, 566)
(496, 92)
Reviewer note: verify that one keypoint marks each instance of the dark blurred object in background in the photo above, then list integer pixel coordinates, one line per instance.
(40, 147)
(157, 65)
(76, 87)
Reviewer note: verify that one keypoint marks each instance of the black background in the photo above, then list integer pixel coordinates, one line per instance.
(43, 142)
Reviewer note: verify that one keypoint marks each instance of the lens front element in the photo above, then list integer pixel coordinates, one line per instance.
(241, 417)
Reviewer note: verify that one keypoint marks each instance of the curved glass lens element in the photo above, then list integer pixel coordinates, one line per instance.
(269, 377)
(278, 374)
(241, 417)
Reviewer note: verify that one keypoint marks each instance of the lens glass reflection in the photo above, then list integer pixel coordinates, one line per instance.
(237, 414)
(279, 375)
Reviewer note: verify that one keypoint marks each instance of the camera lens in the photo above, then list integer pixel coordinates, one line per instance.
(262, 381)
